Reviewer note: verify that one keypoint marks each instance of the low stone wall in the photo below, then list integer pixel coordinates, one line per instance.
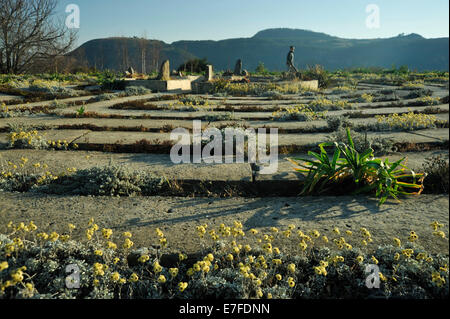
(175, 85)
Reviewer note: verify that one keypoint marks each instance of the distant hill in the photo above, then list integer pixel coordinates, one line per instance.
(121, 53)
(271, 47)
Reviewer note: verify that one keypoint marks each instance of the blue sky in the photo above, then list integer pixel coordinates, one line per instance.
(172, 20)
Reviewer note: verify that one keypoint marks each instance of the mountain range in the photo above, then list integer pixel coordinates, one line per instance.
(269, 47)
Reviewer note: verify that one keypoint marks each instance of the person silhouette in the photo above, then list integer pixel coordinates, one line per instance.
(290, 60)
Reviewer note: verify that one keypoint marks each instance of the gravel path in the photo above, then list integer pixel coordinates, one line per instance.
(178, 217)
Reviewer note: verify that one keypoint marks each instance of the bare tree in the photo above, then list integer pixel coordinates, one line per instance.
(143, 42)
(30, 33)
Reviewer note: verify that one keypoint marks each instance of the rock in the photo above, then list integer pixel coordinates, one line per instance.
(170, 211)
(238, 67)
(209, 73)
(164, 73)
(131, 70)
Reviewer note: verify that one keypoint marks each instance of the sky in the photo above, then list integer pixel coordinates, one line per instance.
(173, 20)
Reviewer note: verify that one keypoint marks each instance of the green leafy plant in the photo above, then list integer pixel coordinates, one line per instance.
(81, 110)
(360, 170)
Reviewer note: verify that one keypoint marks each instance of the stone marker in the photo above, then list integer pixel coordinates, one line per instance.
(209, 73)
(164, 73)
(238, 67)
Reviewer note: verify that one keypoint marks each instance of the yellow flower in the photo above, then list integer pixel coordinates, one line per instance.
(106, 233)
(115, 276)
(274, 230)
(99, 269)
(128, 243)
(157, 268)
(173, 272)
(143, 258)
(3, 265)
(291, 282)
(53, 236)
(161, 279)
(182, 256)
(303, 245)
(134, 277)
(182, 286)
(98, 252)
(291, 268)
(259, 293)
(127, 234)
(96, 282)
(278, 276)
(230, 257)
(348, 232)
(276, 261)
(116, 260)
(336, 230)
(71, 226)
(382, 277)
(413, 236)
(315, 233)
(436, 225)
(325, 239)
(439, 234)
(360, 259)
(319, 270)
(253, 231)
(111, 245)
(397, 242)
(374, 260)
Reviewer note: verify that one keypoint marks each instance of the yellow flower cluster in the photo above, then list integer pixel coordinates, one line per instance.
(162, 238)
(408, 121)
(437, 279)
(295, 112)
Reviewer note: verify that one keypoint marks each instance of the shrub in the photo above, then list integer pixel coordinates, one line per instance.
(321, 104)
(261, 69)
(106, 97)
(33, 265)
(317, 72)
(298, 113)
(194, 66)
(407, 121)
(105, 181)
(136, 90)
(419, 93)
(109, 80)
(31, 139)
(380, 146)
(335, 123)
(437, 170)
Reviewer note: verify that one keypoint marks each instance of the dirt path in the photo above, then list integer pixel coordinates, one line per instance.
(178, 217)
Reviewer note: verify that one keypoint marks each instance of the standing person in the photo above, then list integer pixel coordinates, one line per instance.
(290, 60)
